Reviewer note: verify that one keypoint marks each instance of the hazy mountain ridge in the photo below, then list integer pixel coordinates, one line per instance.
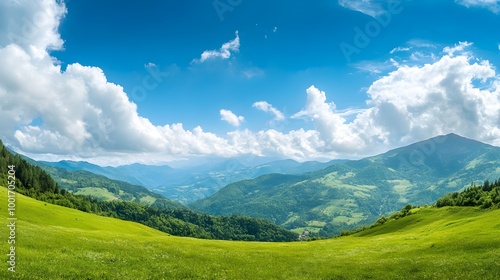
(101, 187)
(188, 184)
(357, 192)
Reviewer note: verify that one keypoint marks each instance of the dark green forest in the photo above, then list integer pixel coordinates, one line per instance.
(485, 196)
(32, 181)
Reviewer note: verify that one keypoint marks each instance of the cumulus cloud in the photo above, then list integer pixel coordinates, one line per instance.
(78, 112)
(457, 93)
(224, 52)
(460, 48)
(231, 118)
(333, 129)
(492, 5)
(420, 101)
(268, 108)
(32, 25)
(82, 112)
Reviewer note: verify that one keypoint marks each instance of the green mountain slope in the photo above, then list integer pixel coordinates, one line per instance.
(353, 193)
(189, 184)
(86, 183)
(33, 181)
(54, 242)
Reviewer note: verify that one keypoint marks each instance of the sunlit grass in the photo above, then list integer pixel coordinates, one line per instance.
(99, 193)
(59, 243)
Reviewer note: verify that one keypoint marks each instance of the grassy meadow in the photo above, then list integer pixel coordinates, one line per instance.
(54, 242)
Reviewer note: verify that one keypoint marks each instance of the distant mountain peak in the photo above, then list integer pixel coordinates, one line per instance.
(454, 137)
(445, 143)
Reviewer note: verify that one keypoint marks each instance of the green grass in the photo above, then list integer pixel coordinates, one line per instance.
(310, 229)
(148, 200)
(59, 243)
(99, 193)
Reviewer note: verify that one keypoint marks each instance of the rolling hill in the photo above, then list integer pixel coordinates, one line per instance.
(353, 193)
(54, 242)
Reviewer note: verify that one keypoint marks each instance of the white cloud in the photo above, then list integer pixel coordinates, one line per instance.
(77, 112)
(372, 8)
(460, 47)
(399, 49)
(81, 112)
(492, 5)
(419, 43)
(418, 102)
(224, 52)
(337, 135)
(414, 44)
(375, 67)
(457, 93)
(252, 72)
(231, 118)
(414, 103)
(350, 112)
(268, 108)
(32, 25)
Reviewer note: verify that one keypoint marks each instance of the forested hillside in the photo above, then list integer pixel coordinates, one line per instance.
(355, 193)
(185, 184)
(102, 188)
(485, 196)
(32, 181)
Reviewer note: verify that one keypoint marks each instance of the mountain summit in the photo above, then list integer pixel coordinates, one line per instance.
(441, 155)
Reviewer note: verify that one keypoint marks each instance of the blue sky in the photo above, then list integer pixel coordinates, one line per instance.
(155, 81)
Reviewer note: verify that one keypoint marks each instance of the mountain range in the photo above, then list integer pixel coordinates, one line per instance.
(353, 193)
(128, 202)
(188, 184)
(322, 198)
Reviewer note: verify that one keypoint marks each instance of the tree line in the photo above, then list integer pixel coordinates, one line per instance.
(485, 196)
